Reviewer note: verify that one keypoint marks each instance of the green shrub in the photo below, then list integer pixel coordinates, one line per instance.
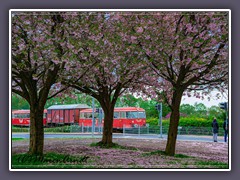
(58, 129)
(186, 122)
(20, 129)
(152, 121)
(197, 122)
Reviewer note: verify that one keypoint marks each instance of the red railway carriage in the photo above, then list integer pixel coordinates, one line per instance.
(64, 114)
(22, 117)
(123, 116)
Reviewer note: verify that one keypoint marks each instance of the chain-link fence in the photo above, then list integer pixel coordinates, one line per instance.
(75, 128)
(181, 130)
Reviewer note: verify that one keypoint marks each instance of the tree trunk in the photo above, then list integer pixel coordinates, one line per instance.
(36, 131)
(173, 127)
(107, 127)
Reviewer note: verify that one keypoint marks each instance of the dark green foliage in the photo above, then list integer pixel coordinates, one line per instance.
(79, 99)
(187, 109)
(19, 103)
(201, 111)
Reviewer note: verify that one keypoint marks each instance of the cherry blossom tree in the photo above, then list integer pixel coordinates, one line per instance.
(107, 39)
(189, 53)
(37, 61)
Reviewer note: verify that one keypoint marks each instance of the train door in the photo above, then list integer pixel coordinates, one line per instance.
(116, 120)
(76, 115)
(123, 119)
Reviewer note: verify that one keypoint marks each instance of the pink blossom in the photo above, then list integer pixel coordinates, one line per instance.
(147, 37)
(139, 30)
(133, 38)
(94, 53)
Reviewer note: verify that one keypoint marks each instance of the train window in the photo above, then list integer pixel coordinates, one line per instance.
(116, 115)
(96, 115)
(21, 115)
(82, 115)
(141, 114)
(123, 114)
(131, 115)
(88, 115)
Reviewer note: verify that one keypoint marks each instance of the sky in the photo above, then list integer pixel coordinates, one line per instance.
(212, 102)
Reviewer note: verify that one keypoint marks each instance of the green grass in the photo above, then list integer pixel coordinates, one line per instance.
(17, 139)
(52, 167)
(212, 164)
(158, 152)
(60, 129)
(113, 146)
(182, 156)
(184, 160)
(49, 160)
(19, 129)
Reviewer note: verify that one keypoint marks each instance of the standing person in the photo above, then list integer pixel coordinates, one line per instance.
(215, 128)
(225, 127)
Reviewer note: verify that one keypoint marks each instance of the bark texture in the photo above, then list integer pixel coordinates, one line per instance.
(174, 121)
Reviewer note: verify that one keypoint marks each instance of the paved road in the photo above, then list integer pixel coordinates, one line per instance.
(147, 136)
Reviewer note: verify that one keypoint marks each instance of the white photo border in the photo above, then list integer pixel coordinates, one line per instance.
(123, 10)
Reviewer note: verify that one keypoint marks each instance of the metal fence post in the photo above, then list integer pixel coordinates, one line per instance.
(160, 117)
(179, 129)
(123, 130)
(93, 118)
(139, 130)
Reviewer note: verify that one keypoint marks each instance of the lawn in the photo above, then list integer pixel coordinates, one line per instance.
(18, 139)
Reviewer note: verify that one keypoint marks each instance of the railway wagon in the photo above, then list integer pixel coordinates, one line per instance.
(22, 117)
(64, 114)
(123, 116)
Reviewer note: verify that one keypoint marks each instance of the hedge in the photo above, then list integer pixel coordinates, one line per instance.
(186, 122)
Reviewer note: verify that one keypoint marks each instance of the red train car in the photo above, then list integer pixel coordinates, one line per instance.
(64, 114)
(22, 117)
(123, 116)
